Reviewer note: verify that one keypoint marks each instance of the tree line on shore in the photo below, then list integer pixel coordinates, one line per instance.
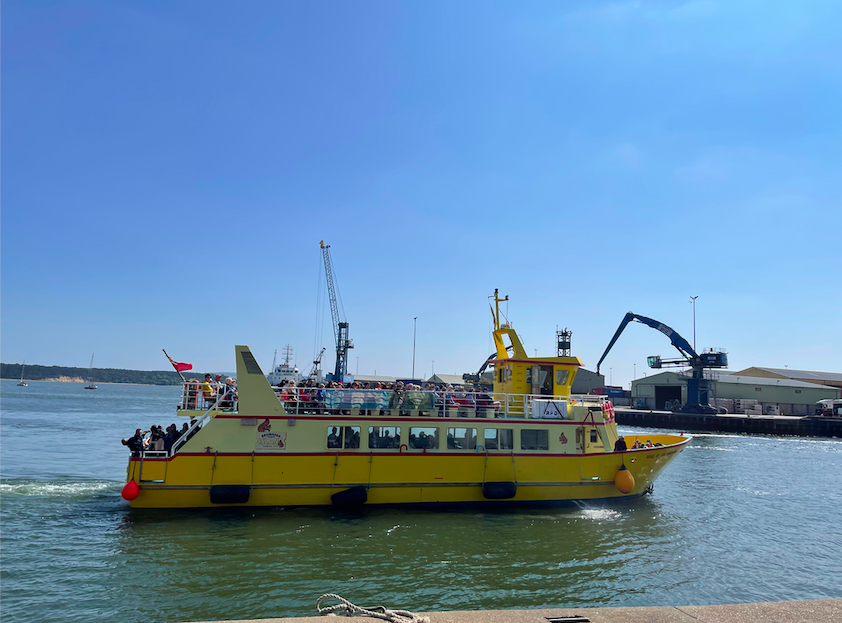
(97, 375)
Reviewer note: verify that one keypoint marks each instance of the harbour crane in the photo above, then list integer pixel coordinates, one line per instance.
(698, 387)
(340, 325)
(314, 371)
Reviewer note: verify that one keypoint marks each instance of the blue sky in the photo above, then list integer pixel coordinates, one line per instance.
(169, 170)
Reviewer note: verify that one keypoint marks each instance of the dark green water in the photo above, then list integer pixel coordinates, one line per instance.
(733, 519)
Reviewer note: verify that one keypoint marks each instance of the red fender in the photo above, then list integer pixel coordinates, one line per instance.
(130, 491)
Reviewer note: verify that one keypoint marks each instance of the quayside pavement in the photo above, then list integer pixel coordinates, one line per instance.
(813, 611)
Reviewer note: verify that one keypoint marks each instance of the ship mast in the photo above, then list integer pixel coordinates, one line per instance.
(495, 311)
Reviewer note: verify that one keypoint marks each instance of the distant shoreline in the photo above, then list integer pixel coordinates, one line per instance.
(86, 382)
(69, 374)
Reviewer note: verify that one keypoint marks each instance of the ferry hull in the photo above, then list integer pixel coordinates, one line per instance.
(310, 479)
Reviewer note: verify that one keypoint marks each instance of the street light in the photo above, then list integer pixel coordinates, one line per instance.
(414, 325)
(693, 301)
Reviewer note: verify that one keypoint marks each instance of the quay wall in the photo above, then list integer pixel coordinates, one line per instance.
(810, 611)
(733, 423)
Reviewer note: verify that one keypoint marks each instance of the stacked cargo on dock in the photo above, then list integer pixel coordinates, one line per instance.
(749, 406)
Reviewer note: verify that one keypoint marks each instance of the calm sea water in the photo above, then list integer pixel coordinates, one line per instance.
(733, 519)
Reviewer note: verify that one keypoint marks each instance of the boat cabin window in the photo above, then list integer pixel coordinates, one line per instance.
(561, 377)
(424, 438)
(461, 438)
(593, 435)
(499, 439)
(343, 437)
(384, 437)
(531, 439)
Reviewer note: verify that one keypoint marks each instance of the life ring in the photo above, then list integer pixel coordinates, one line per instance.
(608, 411)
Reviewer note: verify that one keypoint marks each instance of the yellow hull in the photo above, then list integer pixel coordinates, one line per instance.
(310, 479)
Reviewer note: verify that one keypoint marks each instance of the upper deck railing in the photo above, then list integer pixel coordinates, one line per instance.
(397, 402)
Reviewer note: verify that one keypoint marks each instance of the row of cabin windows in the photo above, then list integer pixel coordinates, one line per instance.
(505, 375)
(428, 438)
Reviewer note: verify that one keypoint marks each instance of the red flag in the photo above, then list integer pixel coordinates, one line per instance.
(179, 367)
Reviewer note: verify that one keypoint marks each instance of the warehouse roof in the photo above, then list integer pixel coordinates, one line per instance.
(760, 380)
(453, 379)
(799, 374)
(726, 376)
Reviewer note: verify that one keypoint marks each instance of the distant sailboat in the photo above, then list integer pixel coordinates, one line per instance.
(22, 382)
(90, 370)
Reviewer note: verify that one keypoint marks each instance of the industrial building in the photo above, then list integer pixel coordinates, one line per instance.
(832, 379)
(586, 382)
(735, 392)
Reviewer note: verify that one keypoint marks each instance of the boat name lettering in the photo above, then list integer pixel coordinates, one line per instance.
(271, 441)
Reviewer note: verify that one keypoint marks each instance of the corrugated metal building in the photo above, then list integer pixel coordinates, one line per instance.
(832, 379)
(445, 379)
(789, 396)
(586, 381)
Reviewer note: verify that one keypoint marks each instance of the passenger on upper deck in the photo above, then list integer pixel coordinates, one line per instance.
(208, 391)
(192, 393)
(230, 394)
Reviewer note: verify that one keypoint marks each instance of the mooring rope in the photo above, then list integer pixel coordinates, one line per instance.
(377, 612)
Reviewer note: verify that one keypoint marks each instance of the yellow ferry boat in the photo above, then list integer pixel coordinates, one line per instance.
(529, 440)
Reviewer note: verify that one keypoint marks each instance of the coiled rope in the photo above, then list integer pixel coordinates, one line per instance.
(377, 612)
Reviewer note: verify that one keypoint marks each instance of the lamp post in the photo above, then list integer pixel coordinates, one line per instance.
(693, 301)
(414, 325)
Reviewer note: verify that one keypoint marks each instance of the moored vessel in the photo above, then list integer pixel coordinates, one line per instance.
(284, 371)
(528, 440)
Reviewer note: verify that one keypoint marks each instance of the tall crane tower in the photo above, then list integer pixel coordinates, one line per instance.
(340, 325)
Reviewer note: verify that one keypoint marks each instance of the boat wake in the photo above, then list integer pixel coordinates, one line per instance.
(598, 514)
(63, 489)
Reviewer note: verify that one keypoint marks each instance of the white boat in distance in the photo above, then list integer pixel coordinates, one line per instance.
(22, 382)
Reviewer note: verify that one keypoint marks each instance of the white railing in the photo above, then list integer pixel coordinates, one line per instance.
(352, 401)
(195, 425)
(208, 396)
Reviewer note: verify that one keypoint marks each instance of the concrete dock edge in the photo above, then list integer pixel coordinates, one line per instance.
(810, 611)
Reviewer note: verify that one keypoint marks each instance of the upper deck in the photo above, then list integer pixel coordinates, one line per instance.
(304, 401)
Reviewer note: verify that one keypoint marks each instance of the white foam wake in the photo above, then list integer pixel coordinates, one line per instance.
(55, 489)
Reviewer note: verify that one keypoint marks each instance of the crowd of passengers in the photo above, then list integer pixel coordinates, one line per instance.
(157, 439)
(213, 391)
(621, 446)
(312, 395)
